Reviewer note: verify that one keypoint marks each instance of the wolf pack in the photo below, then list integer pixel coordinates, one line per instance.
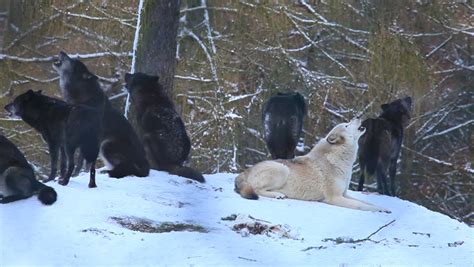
(86, 121)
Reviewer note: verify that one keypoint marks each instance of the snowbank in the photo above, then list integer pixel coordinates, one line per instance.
(215, 226)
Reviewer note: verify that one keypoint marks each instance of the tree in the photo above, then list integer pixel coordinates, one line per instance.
(156, 52)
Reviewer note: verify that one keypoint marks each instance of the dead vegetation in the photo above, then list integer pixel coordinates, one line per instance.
(148, 226)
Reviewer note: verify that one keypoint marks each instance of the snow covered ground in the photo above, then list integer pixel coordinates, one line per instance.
(91, 227)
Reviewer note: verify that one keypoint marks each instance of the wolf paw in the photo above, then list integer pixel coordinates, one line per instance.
(385, 211)
(63, 182)
(280, 195)
(47, 180)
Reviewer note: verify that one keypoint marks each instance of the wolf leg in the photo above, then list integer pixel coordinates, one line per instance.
(353, 204)
(392, 172)
(80, 164)
(54, 155)
(92, 183)
(271, 194)
(381, 174)
(70, 149)
(350, 197)
(63, 162)
(360, 187)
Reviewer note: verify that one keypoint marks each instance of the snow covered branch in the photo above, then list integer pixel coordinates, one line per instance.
(53, 58)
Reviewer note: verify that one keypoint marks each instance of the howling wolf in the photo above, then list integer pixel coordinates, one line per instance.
(323, 174)
(120, 149)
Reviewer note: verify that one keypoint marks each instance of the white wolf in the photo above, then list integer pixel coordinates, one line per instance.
(323, 174)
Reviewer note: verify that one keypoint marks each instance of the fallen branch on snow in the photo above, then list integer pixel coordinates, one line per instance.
(342, 240)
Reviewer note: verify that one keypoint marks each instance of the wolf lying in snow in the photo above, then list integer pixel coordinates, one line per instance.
(323, 174)
(17, 178)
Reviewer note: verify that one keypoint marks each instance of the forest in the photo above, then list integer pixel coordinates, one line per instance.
(345, 57)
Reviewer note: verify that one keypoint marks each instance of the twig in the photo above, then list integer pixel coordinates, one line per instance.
(438, 47)
(378, 230)
(352, 241)
(466, 168)
(448, 130)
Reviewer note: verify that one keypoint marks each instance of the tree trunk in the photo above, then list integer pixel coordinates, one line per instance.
(156, 52)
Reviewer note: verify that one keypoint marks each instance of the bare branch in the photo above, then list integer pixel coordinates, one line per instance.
(53, 58)
(448, 130)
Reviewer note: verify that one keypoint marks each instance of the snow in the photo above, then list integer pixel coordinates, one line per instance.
(79, 228)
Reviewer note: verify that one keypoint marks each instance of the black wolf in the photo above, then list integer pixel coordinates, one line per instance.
(64, 127)
(160, 126)
(120, 149)
(379, 148)
(17, 178)
(282, 118)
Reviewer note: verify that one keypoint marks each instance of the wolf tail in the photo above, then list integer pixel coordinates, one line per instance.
(243, 188)
(142, 169)
(123, 169)
(185, 172)
(46, 194)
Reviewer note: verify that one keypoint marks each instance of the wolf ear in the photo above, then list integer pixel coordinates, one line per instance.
(89, 76)
(29, 94)
(40, 92)
(334, 139)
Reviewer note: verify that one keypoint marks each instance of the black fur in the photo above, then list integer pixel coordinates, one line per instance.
(379, 147)
(160, 127)
(17, 178)
(282, 119)
(64, 127)
(119, 146)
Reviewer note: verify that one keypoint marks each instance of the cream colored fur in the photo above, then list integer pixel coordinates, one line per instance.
(323, 174)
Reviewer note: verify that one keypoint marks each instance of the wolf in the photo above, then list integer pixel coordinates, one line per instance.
(323, 174)
(160, 127)
(282, 118)
(120, 148)
(17, 178)
(64, 128)
(380, 146)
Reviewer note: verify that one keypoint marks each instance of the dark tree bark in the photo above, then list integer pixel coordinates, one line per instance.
(156, 52)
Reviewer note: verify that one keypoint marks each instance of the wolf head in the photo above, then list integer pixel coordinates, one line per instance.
(140, 82)
(398, 110)
(346, 133)
(17, 108)
(68, 67)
